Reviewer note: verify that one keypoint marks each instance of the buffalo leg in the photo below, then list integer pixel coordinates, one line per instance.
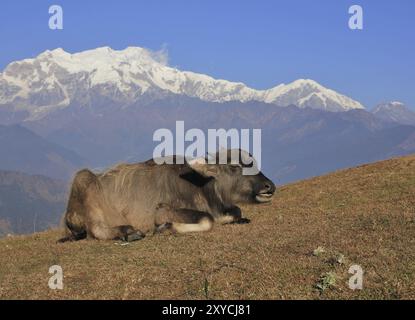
(182, 220)
(73, 237)
(101, 231)
(124, 232)
(232, 215)
(128, 233)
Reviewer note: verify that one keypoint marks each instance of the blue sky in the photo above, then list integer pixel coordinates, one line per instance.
(261, 43)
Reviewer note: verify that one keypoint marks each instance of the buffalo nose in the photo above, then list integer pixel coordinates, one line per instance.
(269, 187)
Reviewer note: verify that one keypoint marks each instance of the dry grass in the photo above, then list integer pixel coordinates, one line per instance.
(366, 214)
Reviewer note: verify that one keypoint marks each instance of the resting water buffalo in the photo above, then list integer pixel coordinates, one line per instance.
(130, 200)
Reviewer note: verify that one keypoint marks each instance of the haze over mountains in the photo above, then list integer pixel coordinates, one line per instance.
(61, 111)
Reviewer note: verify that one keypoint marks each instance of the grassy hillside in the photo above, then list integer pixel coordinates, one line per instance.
(364, 216)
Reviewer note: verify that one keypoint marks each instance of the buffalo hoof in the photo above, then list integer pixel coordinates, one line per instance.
(138, 235)
(165, 227)
(242, 221)
(65, 239)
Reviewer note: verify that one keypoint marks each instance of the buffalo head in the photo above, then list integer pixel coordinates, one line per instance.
(231, 182)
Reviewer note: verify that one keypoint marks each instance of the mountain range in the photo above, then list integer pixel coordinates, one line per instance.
(60, 112)
(56, 79)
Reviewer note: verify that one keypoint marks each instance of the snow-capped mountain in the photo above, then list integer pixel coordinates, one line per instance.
(395, 112)
(309, 94)
(55, 79)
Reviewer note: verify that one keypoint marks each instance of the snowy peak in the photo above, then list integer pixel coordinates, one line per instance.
(389, 106)
(306, 93)
(56, 78)
(130, 73)
(395, 111)
(102, 65)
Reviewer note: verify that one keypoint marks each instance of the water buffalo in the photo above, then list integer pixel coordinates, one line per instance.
(130, 200)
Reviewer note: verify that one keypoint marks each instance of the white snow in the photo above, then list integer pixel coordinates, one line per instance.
(393, 105)
(136, 67)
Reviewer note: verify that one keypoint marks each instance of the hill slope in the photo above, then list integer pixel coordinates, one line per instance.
(366, 214)
(23, 150)
(30, 203)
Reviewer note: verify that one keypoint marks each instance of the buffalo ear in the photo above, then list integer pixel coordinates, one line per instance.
(205, 170)
(197, 173)
(201, 166)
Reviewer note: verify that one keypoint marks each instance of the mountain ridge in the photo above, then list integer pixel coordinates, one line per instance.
(395, 111)
(55, 79)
